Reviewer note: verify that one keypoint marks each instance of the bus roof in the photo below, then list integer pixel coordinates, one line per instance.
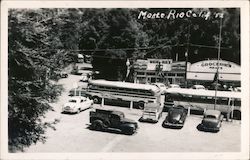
(125, 85)
(207, 93)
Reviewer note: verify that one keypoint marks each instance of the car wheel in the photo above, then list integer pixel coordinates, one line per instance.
(98, 125)
(200, 127)
(130, 131)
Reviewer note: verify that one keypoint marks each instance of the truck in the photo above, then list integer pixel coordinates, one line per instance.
(105, 120)
(152, 112)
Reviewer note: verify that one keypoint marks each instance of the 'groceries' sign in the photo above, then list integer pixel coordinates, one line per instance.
(212, 65)
(205, 70)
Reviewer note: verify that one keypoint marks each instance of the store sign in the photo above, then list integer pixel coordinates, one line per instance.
(212, 65)
(179, 66)
(205, 70)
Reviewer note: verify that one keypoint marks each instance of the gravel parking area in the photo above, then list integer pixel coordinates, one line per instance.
(72, 133)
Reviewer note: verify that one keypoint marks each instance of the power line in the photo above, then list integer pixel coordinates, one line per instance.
(100, 49)
(140, 48)
(206, 46)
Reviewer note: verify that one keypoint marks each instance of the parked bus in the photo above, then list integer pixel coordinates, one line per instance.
(227, 102)
(124, 91)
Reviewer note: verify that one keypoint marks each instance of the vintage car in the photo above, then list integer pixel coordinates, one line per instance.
(174, 86)
(176, 117)
(107, 120)
(152, 112)
(77, 104)
(198, 87)
(211, 121)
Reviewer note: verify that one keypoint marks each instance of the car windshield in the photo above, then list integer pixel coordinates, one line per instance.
(176, 109)
(211, 116)
(72, 100)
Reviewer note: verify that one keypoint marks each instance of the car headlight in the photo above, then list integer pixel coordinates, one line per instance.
(218, 125)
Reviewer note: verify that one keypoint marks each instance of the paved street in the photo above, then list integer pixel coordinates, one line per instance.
(72, 134)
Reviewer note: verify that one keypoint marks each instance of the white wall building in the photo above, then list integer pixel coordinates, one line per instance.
(206, 70)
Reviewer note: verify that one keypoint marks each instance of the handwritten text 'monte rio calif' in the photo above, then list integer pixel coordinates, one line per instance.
(173, 14)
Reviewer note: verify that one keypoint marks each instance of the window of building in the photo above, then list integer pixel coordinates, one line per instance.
(166, 62)
(153, 61)
(171, 74)
(140, 73)
(180, 74)
(151, 73)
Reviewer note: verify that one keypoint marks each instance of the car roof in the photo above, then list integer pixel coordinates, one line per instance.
(159, 84)
(197, 85)
(117, 112)
(174, 85)
(177, 108)
(102, 110)
(212, 112)
(77, 98)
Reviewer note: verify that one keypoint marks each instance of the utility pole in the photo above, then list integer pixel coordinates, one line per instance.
(217, 69)
(186, 55)
(128, 69)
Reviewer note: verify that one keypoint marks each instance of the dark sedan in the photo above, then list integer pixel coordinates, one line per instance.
(211, 121)
(176, 117)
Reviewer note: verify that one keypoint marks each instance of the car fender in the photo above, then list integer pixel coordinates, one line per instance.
(127, 125)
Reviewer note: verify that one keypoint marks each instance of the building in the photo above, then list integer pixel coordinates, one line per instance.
(205, 71)
(159, 70)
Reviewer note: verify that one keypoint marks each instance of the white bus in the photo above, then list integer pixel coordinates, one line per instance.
(124, 91)
(227, 102)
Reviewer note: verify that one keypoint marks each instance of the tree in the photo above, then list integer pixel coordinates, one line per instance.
(112, 30)
(29, 59)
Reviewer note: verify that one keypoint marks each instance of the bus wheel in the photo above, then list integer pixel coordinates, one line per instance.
(96, 99)
(141, 105)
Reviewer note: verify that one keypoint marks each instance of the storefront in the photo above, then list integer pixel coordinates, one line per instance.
(159, 70)
(205, 71)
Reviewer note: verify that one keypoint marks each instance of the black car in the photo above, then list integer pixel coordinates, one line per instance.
(176, 117)
(211, 121)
